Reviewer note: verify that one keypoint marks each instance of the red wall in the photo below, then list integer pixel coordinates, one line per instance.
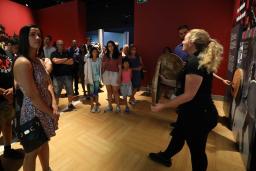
(65, 21)
(156, 22)
(14, 16)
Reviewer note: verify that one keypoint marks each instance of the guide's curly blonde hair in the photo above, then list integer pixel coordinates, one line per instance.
(210, 50)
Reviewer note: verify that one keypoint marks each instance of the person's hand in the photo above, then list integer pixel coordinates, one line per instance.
(56, 114)
(8, 95)
(55, 110)
(162, 77)
(8, 92)
(70, 61)
(140, 68)
(157, 108)
(227, 82)
(2, 91)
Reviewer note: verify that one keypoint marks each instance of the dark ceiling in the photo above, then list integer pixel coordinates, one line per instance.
(112, 15)
(109, 14)
(39, 4)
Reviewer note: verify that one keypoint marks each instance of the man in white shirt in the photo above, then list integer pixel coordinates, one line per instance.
(48, 48)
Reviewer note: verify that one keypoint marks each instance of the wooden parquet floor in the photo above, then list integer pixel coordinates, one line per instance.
(121, 142)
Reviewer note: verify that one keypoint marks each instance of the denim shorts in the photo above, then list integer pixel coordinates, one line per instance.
(126, 89)
(94, 88)
(61, 82)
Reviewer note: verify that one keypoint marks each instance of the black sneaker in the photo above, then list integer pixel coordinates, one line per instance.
(71, 107)
(173, 124)
(13, 154)
(1, 166)
(160, 158)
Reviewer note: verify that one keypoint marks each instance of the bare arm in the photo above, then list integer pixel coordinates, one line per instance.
(140, 67)
(48, 65)
(69, 62)
(59, 60)
(119, 74)
(50, 88)
(227, 82)
(192, 84)
(55, 107)
(23, 74)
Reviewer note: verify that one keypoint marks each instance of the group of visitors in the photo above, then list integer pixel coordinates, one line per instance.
(40, 74)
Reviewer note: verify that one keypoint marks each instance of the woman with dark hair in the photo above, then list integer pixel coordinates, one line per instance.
(111, 74)
(39, 104)
(136, 65)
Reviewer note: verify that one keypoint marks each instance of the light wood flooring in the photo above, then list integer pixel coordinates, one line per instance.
(121, 142)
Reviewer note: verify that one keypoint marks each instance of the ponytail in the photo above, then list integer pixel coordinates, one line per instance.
(211, 56)
(210, 51)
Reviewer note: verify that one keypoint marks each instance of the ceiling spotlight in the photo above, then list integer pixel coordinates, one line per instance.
(26, 5)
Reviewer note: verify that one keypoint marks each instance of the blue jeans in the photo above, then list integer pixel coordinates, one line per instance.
(94, 88)
(60, 82)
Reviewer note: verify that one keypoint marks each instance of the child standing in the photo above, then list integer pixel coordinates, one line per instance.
(126, 85)
(92, 72)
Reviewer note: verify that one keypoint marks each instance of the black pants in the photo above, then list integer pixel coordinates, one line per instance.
(196, 143)
(76, 76)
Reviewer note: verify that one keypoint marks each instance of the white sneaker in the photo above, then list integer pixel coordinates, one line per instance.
(108, 109)
(97, 109)
(118, 110)
(93, 109)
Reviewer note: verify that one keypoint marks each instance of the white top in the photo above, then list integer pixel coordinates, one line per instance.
(48, 51)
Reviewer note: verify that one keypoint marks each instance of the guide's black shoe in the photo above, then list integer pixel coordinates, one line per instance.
(1, 166)
(173, 124)
(160, 158)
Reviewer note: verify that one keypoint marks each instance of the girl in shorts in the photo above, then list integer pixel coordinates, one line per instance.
(126, 85)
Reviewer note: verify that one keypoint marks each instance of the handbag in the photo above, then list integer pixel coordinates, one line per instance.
(31, 135)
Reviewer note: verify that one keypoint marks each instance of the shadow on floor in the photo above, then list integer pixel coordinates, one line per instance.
(226, 143)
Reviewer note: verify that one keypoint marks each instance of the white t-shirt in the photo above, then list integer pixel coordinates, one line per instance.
(48, 51)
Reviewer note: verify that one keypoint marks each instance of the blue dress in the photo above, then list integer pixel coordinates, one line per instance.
(136, 75)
